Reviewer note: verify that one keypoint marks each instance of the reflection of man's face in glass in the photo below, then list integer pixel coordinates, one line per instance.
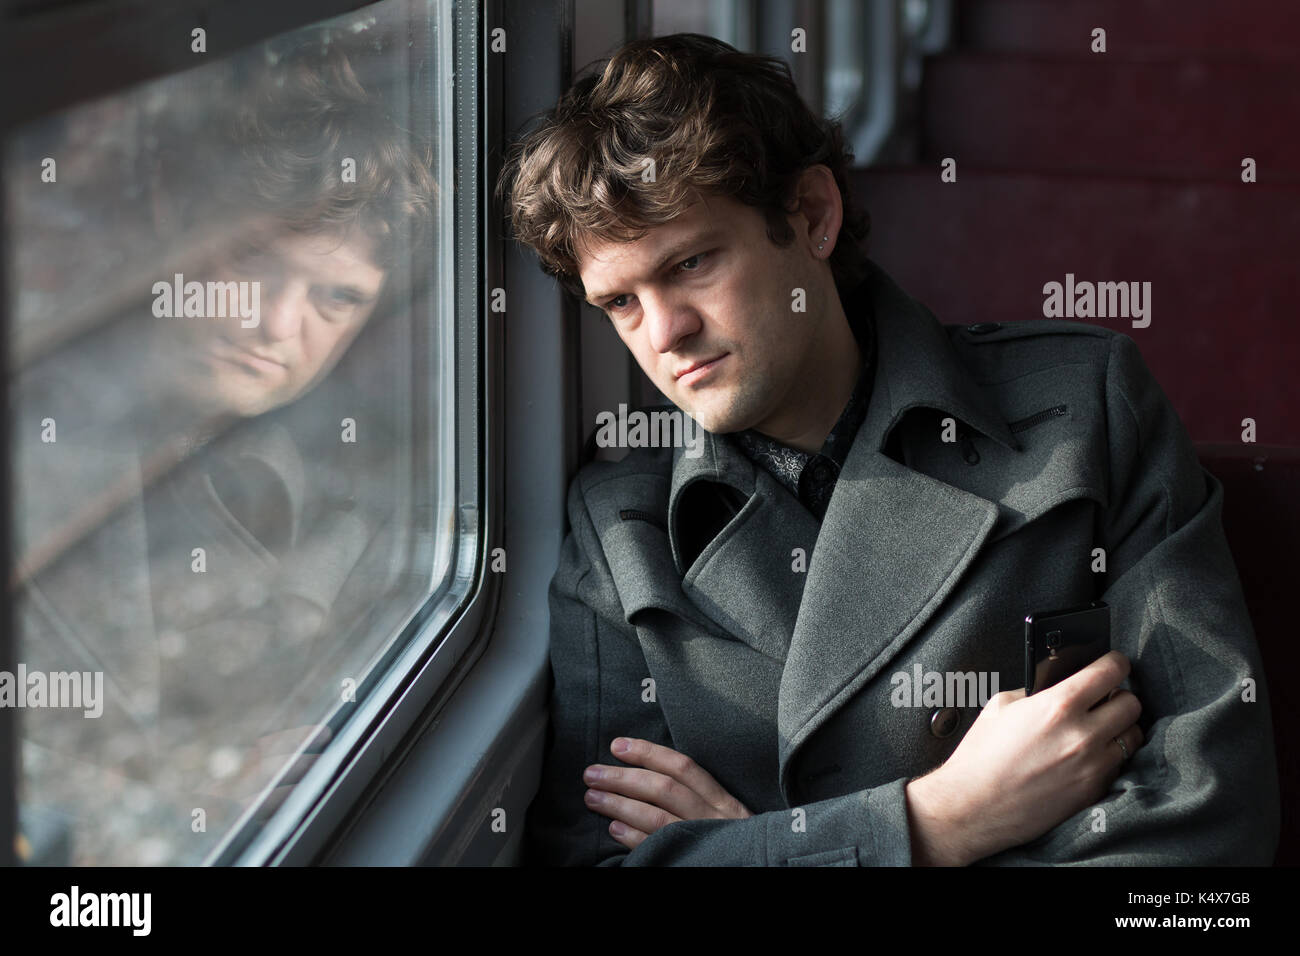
(315, 293)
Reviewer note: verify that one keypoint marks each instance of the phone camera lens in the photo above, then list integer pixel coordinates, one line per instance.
(1053, 639)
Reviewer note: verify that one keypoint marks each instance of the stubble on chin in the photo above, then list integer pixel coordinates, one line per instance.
(719, 417)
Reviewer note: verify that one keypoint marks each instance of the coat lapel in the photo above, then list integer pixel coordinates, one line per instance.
(894, 542)
(749, 578)
(893, 545)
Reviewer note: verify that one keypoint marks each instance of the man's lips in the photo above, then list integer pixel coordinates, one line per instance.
(697, 371)
(247, 359)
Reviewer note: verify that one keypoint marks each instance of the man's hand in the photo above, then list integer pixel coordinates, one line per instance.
(671, 787)
(1026, 764)
(273, 749)
(265, 758)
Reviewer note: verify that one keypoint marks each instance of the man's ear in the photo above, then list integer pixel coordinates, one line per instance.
(821, 209)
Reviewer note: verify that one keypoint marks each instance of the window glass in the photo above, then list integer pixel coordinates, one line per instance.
(232, 394)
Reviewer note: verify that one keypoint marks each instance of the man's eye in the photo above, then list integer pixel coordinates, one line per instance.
(686, 265)
(342, 297)
(338, 302)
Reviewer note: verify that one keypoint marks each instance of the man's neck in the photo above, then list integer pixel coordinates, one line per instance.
(821, 391)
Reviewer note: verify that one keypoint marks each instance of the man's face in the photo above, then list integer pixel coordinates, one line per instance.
(705, 305)
(314, 295)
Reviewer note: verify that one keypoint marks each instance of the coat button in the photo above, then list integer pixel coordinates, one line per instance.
(983, 328)
(944, 721)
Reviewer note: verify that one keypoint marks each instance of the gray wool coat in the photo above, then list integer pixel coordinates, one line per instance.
(779, 677)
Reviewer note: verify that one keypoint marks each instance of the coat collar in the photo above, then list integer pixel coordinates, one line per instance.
(917, 367)
(893, 544)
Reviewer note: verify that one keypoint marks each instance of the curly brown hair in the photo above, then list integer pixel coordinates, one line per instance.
(276, 143)
(714, 120)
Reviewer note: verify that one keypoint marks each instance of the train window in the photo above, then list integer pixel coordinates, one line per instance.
(241, 493)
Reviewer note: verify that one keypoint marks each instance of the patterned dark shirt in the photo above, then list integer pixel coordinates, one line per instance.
(811, 478)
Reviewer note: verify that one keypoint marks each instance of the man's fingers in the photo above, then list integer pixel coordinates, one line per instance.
(1091, 684)
(272, 803)
(634, 813)
(665, 760)
(1112, 717)
(630, 837)
(272, 754)
(297, 770)
(287, 741)
(1121, 748)
(652, 787)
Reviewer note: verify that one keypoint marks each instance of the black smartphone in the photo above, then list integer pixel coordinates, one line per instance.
(1059, 643)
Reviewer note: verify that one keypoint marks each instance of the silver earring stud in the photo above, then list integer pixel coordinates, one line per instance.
(823, 242)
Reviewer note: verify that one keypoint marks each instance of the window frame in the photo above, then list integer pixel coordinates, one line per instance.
(459, 796)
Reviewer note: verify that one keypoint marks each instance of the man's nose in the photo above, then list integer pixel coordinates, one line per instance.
(670, 318)
(283, 306)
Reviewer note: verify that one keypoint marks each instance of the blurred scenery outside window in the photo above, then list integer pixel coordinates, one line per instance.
(232, 396)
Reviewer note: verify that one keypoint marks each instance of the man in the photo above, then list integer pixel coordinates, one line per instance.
(193, 530)
(880, 497)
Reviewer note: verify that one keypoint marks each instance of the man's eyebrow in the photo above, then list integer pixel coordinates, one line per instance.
(362, 294)
(341, 280)
(703, 238)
